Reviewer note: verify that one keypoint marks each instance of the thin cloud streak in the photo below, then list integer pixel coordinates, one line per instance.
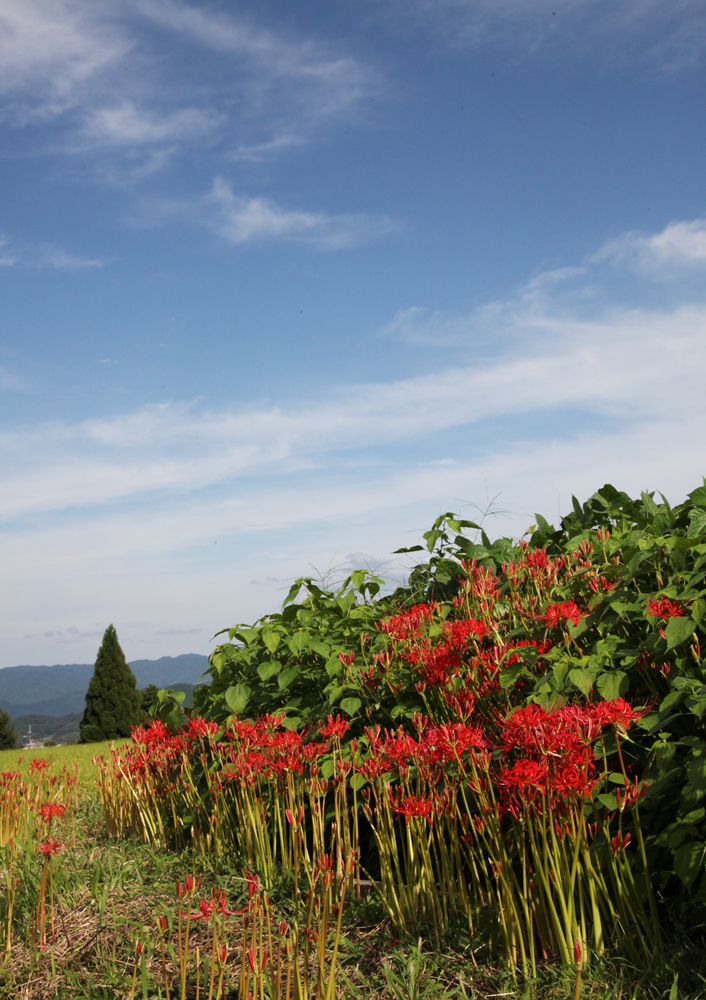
(97, 73)
(664, 35)
(618, 369)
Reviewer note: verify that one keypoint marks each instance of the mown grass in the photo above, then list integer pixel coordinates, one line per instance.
(68, 756)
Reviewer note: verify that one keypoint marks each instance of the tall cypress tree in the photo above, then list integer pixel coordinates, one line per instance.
(113, 703)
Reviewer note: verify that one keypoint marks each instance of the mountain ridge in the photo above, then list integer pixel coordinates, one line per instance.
(60, 689)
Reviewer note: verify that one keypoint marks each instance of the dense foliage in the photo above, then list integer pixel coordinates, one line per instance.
(610, 604)
(113, 703)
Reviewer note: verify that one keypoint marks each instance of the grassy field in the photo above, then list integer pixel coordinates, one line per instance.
(64, 756)
(108, 895)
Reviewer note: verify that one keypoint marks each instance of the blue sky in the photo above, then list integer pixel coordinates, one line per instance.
(279, 283)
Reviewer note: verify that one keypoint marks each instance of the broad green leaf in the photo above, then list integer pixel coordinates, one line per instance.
(268, 669)
(511, 673)
(582, 679)
(286, 677)
(237, 698)
(608, 800)
(270, 638)
(698, 496)
(218, 661)
(613, 684)
(696, 773)
(688, 861)
(697, 523)
(678, 630)
(350, 705)
(298, 642)
(334, 667)
(322, 648)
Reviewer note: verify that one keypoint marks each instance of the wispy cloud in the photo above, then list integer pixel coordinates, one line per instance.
(44, 256)
(667, 35)
(629, 368)
(12, 382)
(243, 220)
(124, 124)
(103, 505)
(133, 78)
(679, 247)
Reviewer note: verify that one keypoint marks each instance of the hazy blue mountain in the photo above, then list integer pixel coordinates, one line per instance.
(61, 689)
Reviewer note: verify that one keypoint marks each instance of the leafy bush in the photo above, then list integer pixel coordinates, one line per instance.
(610, 604)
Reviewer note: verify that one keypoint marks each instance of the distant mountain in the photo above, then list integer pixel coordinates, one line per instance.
(61, 689)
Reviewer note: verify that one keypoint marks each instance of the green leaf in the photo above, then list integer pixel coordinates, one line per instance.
(688, 862)
(698, 496)
(696, 773)
(270, 638)
(286, 677)
(582, 679)
(678, 630)
(609, 801)
(268, 669)
(511, 673)
(350, 705)
(237, 698)
(697, 523)
(298, 642)
(613, 684)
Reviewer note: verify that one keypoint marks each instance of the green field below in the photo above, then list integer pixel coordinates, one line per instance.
(66, 756)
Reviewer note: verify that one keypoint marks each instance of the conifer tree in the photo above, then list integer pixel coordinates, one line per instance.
(8, 736)
(113, 703)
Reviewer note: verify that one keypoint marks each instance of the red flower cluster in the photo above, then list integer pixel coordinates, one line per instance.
(556, 614)
(664, 608)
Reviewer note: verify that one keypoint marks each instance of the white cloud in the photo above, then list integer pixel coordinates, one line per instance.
(166, 514)
(628, 367)
(241, 220)
(680, 246)
(124, 124)
(110, 77)
(52, 50)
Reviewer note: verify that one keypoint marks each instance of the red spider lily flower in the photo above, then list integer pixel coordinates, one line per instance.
(50, 847)
(252, 884)
(664, 608)
(251, 957)
(567, 611)
(334, 727)
(414, 805)
(599, 585)
(222, 954)
(49, 810)
(39, 765)
(460, 632)
(138, 949)
(162, 923)
(617, 712)
(577, 951)
(190, 886)
(206, 908)
(407, 624)
(619, 844)
(201, 727)
(346, 658)
(283, 928)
